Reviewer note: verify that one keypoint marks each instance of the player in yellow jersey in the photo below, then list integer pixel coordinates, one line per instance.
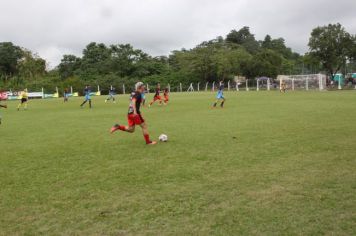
(283, 87)
(24, 100)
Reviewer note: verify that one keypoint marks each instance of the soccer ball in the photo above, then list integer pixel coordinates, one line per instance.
(163, 138)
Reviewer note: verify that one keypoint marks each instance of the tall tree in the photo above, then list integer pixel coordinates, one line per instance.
(265, 63)
(96, 60)
(244, 38)
(31, 65)
(9, 57)
(278, 45)
(332, 46)
(124, 59)
(68, 66)
(267, 42)
(229, 62)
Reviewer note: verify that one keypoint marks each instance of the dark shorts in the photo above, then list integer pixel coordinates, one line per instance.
(133, 120)
(23, 100)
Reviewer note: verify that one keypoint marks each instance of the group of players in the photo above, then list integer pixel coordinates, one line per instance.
(134, 116)
(112, 93)
(23, 102)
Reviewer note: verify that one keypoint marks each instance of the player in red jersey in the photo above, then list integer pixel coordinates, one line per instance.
(166, 96)
(2, 106)
(134, 116)
(157, 96)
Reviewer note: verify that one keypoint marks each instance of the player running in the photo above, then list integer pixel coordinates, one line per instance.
(166, 96)
(143, 96)
(24, 100)
(65, 95)
(220, 95)
(111, 95)
(134, 116)
(157, 96)
(87, 93)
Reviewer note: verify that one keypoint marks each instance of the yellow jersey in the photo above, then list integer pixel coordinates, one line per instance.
(24, 94)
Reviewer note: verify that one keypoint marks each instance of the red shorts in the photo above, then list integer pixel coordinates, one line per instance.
(157, 98)
(166, 98)
(133, 120)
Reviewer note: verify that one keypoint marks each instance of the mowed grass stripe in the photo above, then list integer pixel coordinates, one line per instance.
(268, 163)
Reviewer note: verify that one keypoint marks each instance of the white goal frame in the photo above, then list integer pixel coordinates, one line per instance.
(303, 82)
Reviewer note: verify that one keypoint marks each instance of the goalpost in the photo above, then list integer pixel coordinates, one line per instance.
(303, 82)
(191, 88)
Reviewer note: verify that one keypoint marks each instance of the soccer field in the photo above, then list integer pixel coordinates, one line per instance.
(266, 164)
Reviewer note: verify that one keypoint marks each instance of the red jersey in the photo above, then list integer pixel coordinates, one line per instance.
(166, 92)
(138, 99)
(158, 91)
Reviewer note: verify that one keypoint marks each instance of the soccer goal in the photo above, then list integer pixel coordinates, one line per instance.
(303, 82)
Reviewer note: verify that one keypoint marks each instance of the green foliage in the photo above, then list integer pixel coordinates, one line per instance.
(332, 46)
(311, 63)
(9, 57)
(31, 66)
(230, 62)
(244, 38)
(265, 63)
(332, 49)
(19, 66)
(278, 45)
(69, 66)
(210, 61)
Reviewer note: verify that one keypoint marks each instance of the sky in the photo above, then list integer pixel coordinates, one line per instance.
(52, 28)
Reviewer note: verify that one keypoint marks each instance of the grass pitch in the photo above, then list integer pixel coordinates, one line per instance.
(267, 164)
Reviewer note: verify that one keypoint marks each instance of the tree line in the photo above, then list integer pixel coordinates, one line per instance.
(332, 49)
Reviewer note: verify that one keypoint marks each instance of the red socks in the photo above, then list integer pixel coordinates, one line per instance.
(147, 138)
(122, 128)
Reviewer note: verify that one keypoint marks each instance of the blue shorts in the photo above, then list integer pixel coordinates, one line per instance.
(220, 96)
(87, 97)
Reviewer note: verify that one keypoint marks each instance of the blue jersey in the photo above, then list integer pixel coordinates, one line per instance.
(143, 95)
(220, 94)
(87, 93)
(112, 91)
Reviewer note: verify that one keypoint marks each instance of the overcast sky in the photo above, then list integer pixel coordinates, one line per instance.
(52, 28)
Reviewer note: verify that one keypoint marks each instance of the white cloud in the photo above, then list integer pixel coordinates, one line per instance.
(54, 27)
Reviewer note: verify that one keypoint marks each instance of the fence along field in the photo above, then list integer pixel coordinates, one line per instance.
(293, 82)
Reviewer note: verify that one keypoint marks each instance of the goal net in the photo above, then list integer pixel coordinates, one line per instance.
(303, 82)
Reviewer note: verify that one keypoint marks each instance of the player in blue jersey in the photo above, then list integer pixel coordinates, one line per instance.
(220, 95)
(111, 95)
(143, 96)
(65, 95)
(87, 95)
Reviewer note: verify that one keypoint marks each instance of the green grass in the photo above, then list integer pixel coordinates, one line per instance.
(267, 164)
